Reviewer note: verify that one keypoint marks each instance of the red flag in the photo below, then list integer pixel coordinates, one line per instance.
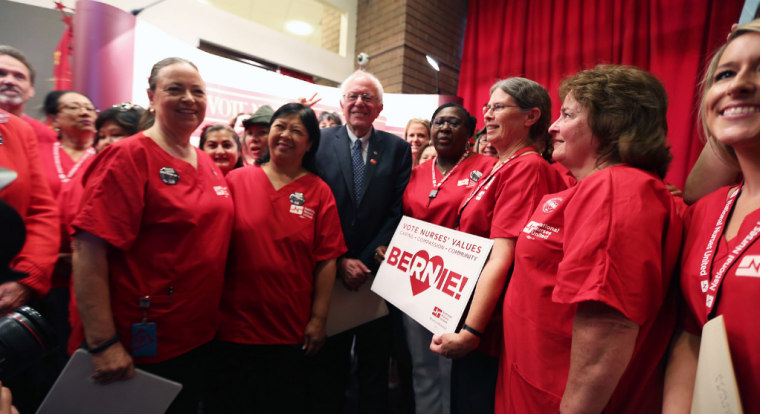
(61, 62)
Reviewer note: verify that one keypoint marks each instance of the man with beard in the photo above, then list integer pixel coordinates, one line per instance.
(17, 87)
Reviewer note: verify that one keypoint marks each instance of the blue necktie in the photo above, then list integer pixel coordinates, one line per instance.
(358, 161)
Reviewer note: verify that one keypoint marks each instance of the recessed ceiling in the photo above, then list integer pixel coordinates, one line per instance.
(309, 20)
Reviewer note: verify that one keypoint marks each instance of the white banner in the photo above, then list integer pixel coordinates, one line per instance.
(234, 87)
(430, 272)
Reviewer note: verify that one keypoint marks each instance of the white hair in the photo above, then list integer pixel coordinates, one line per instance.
(362, 74)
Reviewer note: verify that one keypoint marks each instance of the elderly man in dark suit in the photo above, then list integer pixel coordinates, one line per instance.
(367, 171)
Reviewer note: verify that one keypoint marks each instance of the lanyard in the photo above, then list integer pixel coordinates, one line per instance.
(436, 184)
(59, 167)
(487, 182)
(712, 287)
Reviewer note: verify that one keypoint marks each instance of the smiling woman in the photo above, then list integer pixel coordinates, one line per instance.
(151, 196)
(223, 145)
(730, 115)
(497, 206)
(417, 134)
(274, 310)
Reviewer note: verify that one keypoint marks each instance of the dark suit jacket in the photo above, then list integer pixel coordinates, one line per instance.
(372, 222)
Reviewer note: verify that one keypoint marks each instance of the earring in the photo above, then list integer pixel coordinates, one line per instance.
(152, 110)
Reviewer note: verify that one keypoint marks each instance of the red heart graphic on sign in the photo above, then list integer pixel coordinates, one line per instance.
(423, 270)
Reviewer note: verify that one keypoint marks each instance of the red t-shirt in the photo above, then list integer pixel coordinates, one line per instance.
(168, 225)
(738, 293)
(443, 208)
(501, 208)
(30, 196)
(565, 173)
(278, 238)
(613, 238)
(42, 131)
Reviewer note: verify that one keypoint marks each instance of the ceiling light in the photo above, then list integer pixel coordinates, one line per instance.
(298, 27)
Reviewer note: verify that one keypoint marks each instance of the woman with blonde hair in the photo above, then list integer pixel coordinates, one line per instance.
(417, 134)
(719, 264)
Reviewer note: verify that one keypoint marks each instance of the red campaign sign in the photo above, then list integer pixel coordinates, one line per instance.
(425, 272)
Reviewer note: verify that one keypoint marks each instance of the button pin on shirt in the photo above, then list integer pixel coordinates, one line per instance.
(297, 199)
(168, 175)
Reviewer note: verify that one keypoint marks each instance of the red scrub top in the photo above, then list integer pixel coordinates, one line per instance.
(168, 225)
(30, 196)
(60, 171)
(278, 238)
(42, 131)
(613, 238)
(59, 167)
(442, 210)
(501, 207)
(566, 174)
(737, 296)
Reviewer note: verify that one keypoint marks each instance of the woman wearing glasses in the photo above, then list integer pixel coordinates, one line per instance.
(113, 124)
(435, 190)
(498, 207)
(73, 117)
(64, 161)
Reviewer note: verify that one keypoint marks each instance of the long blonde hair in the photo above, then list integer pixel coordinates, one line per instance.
(724, 152)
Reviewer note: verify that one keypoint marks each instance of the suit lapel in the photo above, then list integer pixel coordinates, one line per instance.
(374, 155)
(343, 154)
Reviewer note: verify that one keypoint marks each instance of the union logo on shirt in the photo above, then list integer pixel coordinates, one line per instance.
(551, 204)
(222, 191)
(540, 230)
(749, 266)
(303, 212)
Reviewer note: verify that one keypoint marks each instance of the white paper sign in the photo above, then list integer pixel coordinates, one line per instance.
(715, 388)
(430, 272)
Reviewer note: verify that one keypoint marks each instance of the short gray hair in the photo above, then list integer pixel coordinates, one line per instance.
(530, 94)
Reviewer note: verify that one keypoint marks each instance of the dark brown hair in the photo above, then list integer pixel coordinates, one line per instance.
(627, 109)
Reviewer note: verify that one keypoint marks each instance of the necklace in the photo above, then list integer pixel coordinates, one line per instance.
(484, 185)
(436, 184)
(64, 177)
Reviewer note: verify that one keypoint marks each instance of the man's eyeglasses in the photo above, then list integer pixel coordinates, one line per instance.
(497, 107)
(366, 97)
(453, 122)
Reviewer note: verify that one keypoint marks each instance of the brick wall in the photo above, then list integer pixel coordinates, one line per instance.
(398, 33)
(330, 29)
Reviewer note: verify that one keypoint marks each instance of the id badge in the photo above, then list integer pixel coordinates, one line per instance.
(144, 339)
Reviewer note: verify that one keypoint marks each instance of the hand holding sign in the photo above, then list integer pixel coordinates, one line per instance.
(429, 272)
(454, 345)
